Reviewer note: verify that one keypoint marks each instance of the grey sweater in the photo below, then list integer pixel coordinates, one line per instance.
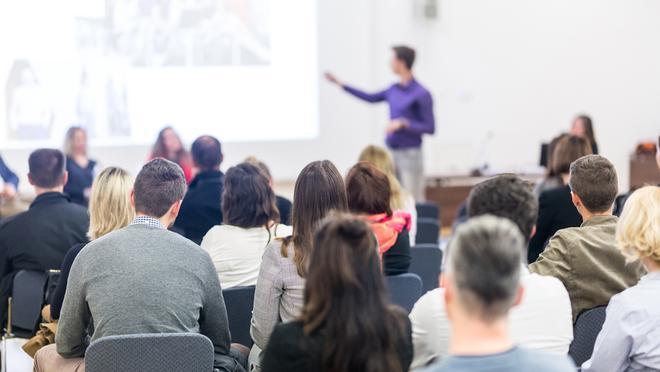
(143, 279)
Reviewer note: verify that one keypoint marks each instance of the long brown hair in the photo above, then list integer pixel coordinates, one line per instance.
(247, 199)
(588, 128)
(160, 151)
(346, 299)
(319, 190)
(368, 190)
(567, 150)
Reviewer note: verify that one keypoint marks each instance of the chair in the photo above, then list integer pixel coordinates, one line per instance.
(239, 302)
(191, 352)
(25, 303)
(428, 231)
(405, 289)
(586, 329)
(428, 210)
(426, 262)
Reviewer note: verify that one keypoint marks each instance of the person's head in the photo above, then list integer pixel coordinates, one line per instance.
(506, 196)
(247, 199)
(403, 58)
(482, 279)
(594, 185)
(319, 190)
(638, 230)
(568, 149)
(110, 202)
(262, 166)
(168, 145)
(368, 190)
(382, 160)
(206, 153)
(75, 141)
(47, 170)
(345, 289)
(158, 190)
(583, 127)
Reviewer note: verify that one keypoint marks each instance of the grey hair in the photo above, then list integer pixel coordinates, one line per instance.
(484, 263)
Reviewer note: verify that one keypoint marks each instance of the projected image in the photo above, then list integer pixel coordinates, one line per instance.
(28, 113)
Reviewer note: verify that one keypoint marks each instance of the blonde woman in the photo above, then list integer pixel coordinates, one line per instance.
(401, 200)
(630, 337)
(79, 166)
(109, 210)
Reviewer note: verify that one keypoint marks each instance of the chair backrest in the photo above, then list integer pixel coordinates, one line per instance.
(426, 262)
(428, 210)
(428, 231)
(27, 299)
(586, 329)
(405, 289)
(239, 302)
(191, 352)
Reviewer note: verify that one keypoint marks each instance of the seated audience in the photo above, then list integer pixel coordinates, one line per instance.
(345, 290)
(38, 238)
(556, 210)
(583, 127)
(284, 205)
(319, 190)
(401, 199)
(169, 146)
(142, 279)
(586, 258)
(369, 195)
(541, 321)
(79, 166)
(109, 210)
(630, 337)
(482, 284)
(552, 179)
(250, 224)
(202, 206)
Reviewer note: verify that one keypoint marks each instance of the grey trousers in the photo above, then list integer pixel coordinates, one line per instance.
(410, 170)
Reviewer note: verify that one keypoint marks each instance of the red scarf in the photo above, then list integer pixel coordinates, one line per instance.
(387, 228)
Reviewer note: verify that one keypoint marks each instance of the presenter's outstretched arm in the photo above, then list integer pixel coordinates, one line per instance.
(369, 97)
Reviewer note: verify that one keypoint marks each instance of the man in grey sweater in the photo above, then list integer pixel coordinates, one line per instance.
(144, 279)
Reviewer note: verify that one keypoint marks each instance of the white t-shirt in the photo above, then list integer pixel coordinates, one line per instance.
(543, 320)
(236, 252)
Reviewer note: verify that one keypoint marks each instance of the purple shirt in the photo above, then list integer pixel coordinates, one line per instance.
(412, 103)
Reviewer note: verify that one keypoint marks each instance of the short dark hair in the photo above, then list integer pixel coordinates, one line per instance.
(405, 54)
(207, 152)
(247, 199)
(47, 168)
(368, 190)
(506, 196)
(159, 184)
(593, 179)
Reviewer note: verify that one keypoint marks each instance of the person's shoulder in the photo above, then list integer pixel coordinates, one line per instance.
(75, 209)
(430, 304)
(8, 223)
(544, 362)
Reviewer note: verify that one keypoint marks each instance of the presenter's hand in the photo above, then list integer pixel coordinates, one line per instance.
(333, 79)
(395, 125)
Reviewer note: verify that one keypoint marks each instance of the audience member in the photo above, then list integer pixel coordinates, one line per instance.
(9, 182)
(583, 127)
(109, 210)
(284, 205)
(79, 166)
(586, 258)
(552, 179)
(142, 279)
(250, 224)
(346, 304)
(401, 199)
(169, 146)
(541, 321)
(556, 211)
(202, 206)
(630, 337)
(38, 238)
(482, 283)
(369, 195)
(319, 190)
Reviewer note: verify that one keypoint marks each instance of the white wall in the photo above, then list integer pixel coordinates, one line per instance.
(520, 69)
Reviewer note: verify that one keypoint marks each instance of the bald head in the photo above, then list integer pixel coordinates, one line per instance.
(207, 153)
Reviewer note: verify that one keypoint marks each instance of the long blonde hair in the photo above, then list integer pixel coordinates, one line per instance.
(382, 159)
(638, 231)
(110, 203)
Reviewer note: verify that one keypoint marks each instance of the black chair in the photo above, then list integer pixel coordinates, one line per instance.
(428, 210)
(426, 262)
(239, 302)
(586, 329)
(428, 231)
(405, 290)
(25, 303)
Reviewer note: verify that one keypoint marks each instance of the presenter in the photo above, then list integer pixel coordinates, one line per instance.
(411, 116)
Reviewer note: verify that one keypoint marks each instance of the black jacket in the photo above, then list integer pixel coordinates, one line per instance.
(201, 207)
(556, 212)
(284, 207)
(79, 179)
(396, 260)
